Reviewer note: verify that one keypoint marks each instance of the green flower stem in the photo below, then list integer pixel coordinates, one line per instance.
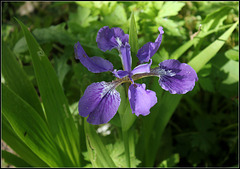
(126, 146)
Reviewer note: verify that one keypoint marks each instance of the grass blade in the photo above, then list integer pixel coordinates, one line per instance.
(29, 127)
(133, 39)
(14, 160)
(12, 140)
(202, 58)
(17, 80)
(60, 120)
(98, 153)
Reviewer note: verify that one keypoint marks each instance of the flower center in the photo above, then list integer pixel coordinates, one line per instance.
(119, 41)
(162, 72)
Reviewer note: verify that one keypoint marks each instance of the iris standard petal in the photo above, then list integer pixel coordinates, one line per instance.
(126, 57)
(150, 48)
(141, 100)
(143, 68)
(107, 38)
(176, 77)
(100, 102)
(120, 73)
(94, 64)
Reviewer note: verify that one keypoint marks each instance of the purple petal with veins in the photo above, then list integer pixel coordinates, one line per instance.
(141, 100)
(120, 73)
(107, 38)
(126, 57)
(94, 64)
(100, 102)
(176, 77)
(150, 48)
(143, 68)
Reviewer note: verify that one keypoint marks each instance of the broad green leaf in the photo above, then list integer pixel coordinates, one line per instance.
(207, 84)
(170, 26)
(61, 66)
(202, 58)
(170, 8)
(156, 122)
(162, 112)
(13, 159)
(12, 140)
(133, 39)
(99, 156)
(55, 33)
(82, 17)
(232, 70)
(17, 80)
(117, 17)
(116, 152)
(171, 161)
(215, 19)
(179, 51)
(158, 4)
(59, 118)
(233, 54)
(30, 127)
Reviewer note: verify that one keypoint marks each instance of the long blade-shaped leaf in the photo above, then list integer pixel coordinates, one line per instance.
(59, 118)
(202, 58)
(29, 127)
(133, 39)
(157, 121)
(14, 160)
(98, 153)
(12, 140)
(179, 51)
(17, 80)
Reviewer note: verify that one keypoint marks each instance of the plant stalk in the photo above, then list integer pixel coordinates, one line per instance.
(126, 146)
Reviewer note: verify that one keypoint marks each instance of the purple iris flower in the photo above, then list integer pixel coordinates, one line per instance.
(101, 100)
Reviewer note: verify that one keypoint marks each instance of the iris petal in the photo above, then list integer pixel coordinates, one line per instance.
(143, 68)
(120, 73)
(176, 77)
(150, 48)
(141, 100)
(100, 102)
(94, 64)
(107, 38)
(126, 57)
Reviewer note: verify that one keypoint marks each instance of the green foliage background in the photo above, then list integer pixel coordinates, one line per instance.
(203, 130)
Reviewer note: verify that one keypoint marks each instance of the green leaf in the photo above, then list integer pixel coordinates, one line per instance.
(29, 127)
(14, 160)
(60, 120)
(207, 84)
(17, 80)
(12, 140)
(170, 8)
(203, 57)
(232, 69)
(215, 19)
(55, 33)
(179, 51)
(117, 17)
(233, 54)
(172, 161)
(82, 18)
(170, 26)
(98, 154)
(133, 39)
(162, 112)
(116, 152)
